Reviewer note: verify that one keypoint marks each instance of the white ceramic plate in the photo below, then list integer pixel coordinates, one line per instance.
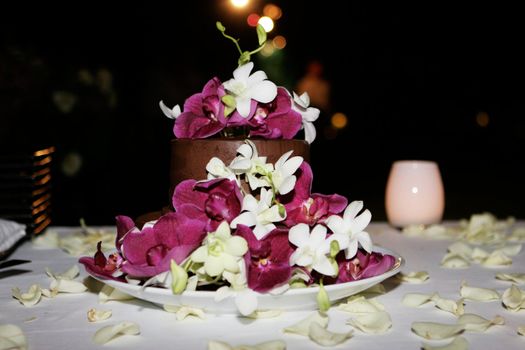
(293, 299)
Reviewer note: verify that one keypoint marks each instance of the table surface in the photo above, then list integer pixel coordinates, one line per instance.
(61, 322)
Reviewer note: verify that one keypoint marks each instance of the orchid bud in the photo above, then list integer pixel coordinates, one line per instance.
(220, 27)
(179, 278)
(261, 34)
(323, 302)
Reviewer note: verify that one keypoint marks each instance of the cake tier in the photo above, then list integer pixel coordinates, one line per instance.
(190, 157)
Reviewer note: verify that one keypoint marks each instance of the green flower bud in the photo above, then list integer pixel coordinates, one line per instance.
(179, 278)
(323, 301)
(261, 34)
(334, 248)
(245, 58)
(229, 103)
(220, 27)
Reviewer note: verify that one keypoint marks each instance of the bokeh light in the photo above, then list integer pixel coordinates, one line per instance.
(253, 19)
(267, 23)
(279, 42)
(267, 50)
(239, 3)
(272, 11)
(483, 119)
(339, 120)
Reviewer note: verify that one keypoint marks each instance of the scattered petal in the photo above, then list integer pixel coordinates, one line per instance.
(455, 307)
(478, 294)
(47, 240)
(373, 323)
(69, 274)
(518, 235)
(67, 286)
(269, 345)
(377, 289)
(518, 278)
(105, 334)
(476, 323)
(108, 293)
(514, 298)
(432, 330)
(184, 311)
(497, 258)
(512, 250)
(459, 343)
(416, 299)
(359, 304)
(413, 277)
(12, 338)
(303, 327)
(321, 336)
(521, 330)
(95, 315)
(454, 261)
(30, 298)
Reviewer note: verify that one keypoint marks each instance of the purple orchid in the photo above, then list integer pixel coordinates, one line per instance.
(212, 201)
(276, 119)
(150, 251)
(99, 265)
(124, 225)
(267, 260)
(304, 207)
(363, 265)
(203, 114)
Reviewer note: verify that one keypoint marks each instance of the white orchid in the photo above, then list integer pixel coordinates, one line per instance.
(313, 249)
(170, 113)
(217, 169)
(283, 178)
(245, 298)
(310, 114)
(249, 163)
(353, 225)
(245, 87)
(261, 214)
(220, 251)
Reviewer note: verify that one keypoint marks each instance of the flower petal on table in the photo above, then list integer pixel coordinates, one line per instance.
(360, 305)
(454, 261)
(459, 343)
(432, 330)
(322, 336)
(453, 306)
(416, 299)
(30, 298)
(69, 274)
(413, 277)
(521, 330)
(497, 258)
(514, 298)
(94, 315)
(476, 323)
(269, 345)
(518, 278)
(518, 235)
(12, 337)
(303, 327)
(373, 323)
(512, 249)
(181, 312)
(105, 334)
(478, 294)
(67, 286)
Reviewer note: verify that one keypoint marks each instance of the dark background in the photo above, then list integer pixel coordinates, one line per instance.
(412, 79)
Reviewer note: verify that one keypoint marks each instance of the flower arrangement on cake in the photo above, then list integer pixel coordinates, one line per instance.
(251, 226)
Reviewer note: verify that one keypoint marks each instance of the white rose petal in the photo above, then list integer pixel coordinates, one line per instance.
(512, 250)
(476, 323)
(459, 343)
(416, 299)
(432, 330)
(31, 297)
(269, 345)
(69, 274)
(359, 304)
(453, 306)
(95, 315)
(413, 277)
(105, 334)
(454, 261)
(521, 330)
(518, 235)
(321, 336)
(303, 327)
(12, 338)
(478, 294)
(373, 323)
(497, 258)
(513, 298)
(182, 312)
(518, 278)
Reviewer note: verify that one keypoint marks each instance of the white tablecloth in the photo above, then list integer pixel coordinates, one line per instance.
(61, 323)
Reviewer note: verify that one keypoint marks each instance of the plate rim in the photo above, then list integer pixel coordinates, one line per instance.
(400, 262)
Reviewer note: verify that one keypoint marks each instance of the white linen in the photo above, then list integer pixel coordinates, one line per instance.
(61, 322)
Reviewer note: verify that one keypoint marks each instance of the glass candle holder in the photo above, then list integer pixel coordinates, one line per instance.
(414, 193)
